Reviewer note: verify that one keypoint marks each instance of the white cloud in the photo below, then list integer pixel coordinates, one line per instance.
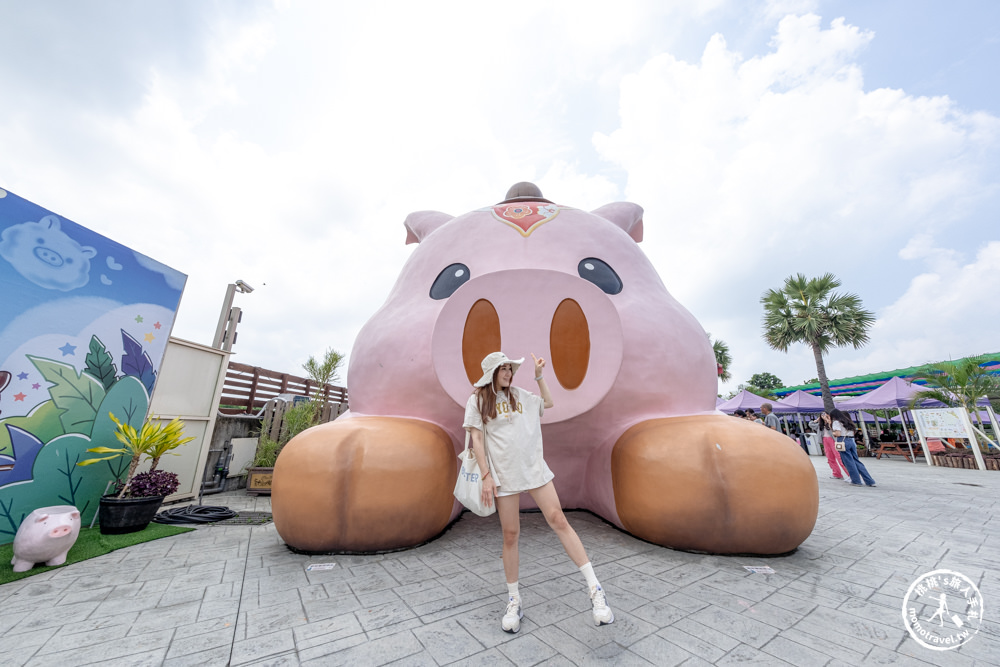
(285, 143)
(945, 313)
(774, 152)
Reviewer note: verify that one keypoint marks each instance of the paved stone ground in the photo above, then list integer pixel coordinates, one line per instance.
(236, 595)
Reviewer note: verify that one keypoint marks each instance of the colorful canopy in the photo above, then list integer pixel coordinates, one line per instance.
(859, 384)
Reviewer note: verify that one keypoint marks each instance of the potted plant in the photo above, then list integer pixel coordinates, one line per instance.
(261, 469)
(137, 498)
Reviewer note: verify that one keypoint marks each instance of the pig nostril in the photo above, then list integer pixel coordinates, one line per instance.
(481, 336)
(569, 342)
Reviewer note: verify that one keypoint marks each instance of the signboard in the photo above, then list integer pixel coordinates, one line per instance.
(941, 423)
(947, 423)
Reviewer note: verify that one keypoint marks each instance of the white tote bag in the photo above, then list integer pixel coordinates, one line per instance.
(469, 487)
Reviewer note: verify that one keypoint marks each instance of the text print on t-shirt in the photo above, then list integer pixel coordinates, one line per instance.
(503, 408)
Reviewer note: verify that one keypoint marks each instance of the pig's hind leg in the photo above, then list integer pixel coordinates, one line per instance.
(714, 484)
(364, 484)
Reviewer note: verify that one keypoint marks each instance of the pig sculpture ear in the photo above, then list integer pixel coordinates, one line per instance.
(419, 225)
(626, 215)
(75, 515)
(41, 517)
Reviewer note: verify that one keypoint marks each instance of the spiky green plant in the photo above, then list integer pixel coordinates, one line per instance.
(808, 311)
(153, 440)
(958, 384)
(322, 373)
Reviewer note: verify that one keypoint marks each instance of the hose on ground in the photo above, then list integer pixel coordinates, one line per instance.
(194, 514)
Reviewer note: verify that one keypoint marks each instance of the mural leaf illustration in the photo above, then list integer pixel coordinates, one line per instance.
(128, 401)
(42, 421)
(55, 480)
(76, 396)
(136, 362)
(26, 448)
(100, 365)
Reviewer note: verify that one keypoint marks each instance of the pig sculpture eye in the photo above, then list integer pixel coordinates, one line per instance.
(602, 275)
(450, 279)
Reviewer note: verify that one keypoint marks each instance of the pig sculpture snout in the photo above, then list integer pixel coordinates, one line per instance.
(566, 323)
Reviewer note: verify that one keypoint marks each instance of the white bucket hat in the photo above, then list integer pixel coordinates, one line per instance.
(493, 361)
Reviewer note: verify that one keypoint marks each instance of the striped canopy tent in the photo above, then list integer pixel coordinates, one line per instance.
(859, 384)
(745, 399)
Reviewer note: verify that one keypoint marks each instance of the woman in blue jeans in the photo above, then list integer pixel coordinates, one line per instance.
(843, 428)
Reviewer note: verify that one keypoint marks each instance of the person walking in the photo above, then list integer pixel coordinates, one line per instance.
(843, 427)
(506, 429)
(823, 425)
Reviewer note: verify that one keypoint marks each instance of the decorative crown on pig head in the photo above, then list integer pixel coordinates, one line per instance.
(634, 435)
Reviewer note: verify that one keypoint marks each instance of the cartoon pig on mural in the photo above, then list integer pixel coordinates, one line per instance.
(634, 435)
(45, 255)
(46, 536)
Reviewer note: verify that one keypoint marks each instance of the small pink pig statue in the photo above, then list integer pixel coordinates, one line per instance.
(46, 536)
(633, 436)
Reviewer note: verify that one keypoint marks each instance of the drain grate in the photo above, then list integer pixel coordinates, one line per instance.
(245, 519)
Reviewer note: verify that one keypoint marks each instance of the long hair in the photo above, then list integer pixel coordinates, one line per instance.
(844, 420)
(486, 397)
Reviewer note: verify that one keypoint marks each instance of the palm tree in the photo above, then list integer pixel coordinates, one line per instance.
(957, 384)
(722, 358)
(807, 310)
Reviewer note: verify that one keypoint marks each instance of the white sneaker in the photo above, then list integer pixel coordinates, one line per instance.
(512, 617)
(602, 612)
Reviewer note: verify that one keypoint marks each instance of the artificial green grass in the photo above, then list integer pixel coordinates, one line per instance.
(90, 543)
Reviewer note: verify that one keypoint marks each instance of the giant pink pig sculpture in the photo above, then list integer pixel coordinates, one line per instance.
(634, 435)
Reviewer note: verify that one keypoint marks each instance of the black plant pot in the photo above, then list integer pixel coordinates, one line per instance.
(118, 516)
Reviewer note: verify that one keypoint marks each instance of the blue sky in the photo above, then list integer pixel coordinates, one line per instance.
(284, 144)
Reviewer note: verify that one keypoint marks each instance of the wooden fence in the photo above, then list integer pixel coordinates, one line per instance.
(248, 388)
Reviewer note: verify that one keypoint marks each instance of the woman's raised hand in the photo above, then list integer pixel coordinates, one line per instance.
(539, 365)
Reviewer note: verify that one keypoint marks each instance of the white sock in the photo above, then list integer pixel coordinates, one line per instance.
(588, 572)
(512, 590)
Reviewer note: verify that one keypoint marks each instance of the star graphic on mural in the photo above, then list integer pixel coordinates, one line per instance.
(68, 349)
(157, 326)
(20, 396)
(138, 319)
(22, 376)
(148, 337)
(37, 385)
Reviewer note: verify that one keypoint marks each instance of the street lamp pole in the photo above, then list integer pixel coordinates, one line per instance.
(225, 332)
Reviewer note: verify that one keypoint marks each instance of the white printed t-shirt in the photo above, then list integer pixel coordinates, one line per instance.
(514, 441)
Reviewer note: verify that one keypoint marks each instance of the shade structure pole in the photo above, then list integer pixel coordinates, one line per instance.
(993, 420)
(913, 457)
(864, 430)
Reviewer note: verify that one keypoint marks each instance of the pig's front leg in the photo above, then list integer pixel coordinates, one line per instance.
(57, 560)
(715, 484)
(364, 484)
(21, 565)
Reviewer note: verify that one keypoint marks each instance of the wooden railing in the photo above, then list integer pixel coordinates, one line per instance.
(248, 388)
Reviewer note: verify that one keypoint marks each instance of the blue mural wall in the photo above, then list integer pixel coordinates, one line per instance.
(84, 323)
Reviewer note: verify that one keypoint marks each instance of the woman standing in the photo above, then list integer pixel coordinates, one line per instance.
(843, 427)
(511, 463)
(824, 426)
